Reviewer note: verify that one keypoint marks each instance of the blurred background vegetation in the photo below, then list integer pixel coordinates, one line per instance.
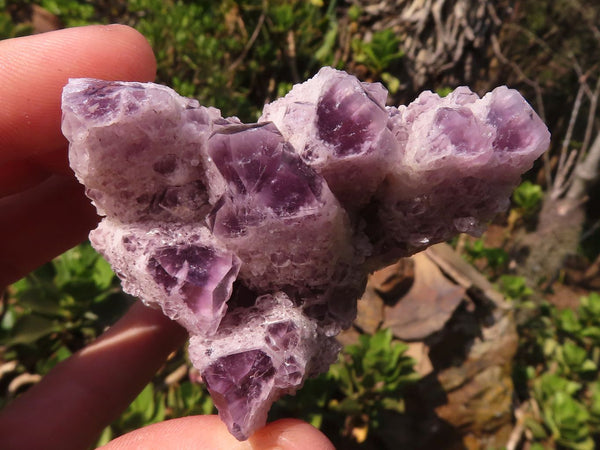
(542, 255)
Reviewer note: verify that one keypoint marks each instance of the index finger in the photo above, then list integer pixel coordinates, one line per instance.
(42, 213)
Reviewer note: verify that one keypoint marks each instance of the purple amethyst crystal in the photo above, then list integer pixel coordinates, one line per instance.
(458, 161)
(281, 346)
(273, 201)
(181, 268)
(338, 126)
(258, 238)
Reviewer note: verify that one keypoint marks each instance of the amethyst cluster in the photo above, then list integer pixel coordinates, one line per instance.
(258, 238)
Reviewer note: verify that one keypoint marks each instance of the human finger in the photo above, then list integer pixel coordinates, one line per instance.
(73, 403)
(42, 215)
(208, 432)
(40, 223)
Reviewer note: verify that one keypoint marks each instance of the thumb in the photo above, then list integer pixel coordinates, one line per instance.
(209, 433)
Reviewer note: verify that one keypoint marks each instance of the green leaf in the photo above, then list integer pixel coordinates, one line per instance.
(568, 321)
(207, 406)
(536, 428)
(549, 384)
(316, 420)
(514, 287)
(568, 419)
(157, 412)
(393, 404)
(144, 402)
(105, 437)
(595, 399)
(592, 333)
(380, 52)
(341, 373)
(103, 274)
(528, 196)
(324, 53)
(574, 356)
(349, 406)
(30, 328)
(589, 308)
(41, 299)
(537, 446)
(550, 347)
(9, 319)
(44, 366)
(443, 91)
(589, 366)
(392, 83)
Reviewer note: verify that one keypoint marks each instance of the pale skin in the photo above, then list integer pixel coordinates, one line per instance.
(43, 212)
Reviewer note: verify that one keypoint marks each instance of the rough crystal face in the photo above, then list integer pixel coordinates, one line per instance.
(235, 383)
(181, 268)
(339, 127)
(459, 159)
(274, 203)
(282, 346)
(258, 238)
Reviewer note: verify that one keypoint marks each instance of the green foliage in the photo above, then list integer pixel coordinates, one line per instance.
(6, 24)
(372, 374)
(378, 55)
(147, 408)
(234, 54)
(61, 306)
(560, 353)
(73, 13)
(188, 399)
(369, 379)
(514, 287)
(380, 52)
(9, 29)
(492, 259)
(443, 91)
(156, 403)
(528, 197)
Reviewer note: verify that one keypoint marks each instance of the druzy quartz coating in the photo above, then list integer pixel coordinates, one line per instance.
(258, 238)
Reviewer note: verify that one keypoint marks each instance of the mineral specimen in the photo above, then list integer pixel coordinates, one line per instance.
(258, 238)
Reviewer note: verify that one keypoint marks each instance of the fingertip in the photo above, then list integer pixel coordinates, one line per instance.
(209, 432)
(290, 434)
(134, 43)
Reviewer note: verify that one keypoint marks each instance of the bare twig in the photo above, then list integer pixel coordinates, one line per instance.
(586, 17)
(291, 54)
(594, 268)
(591, 116)
(588, 167)
(564, 177)
(177, 375)
(8, 367)
(586, 172)
(250, 43)
(564, 150)
(517, 432)
(590, 231)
